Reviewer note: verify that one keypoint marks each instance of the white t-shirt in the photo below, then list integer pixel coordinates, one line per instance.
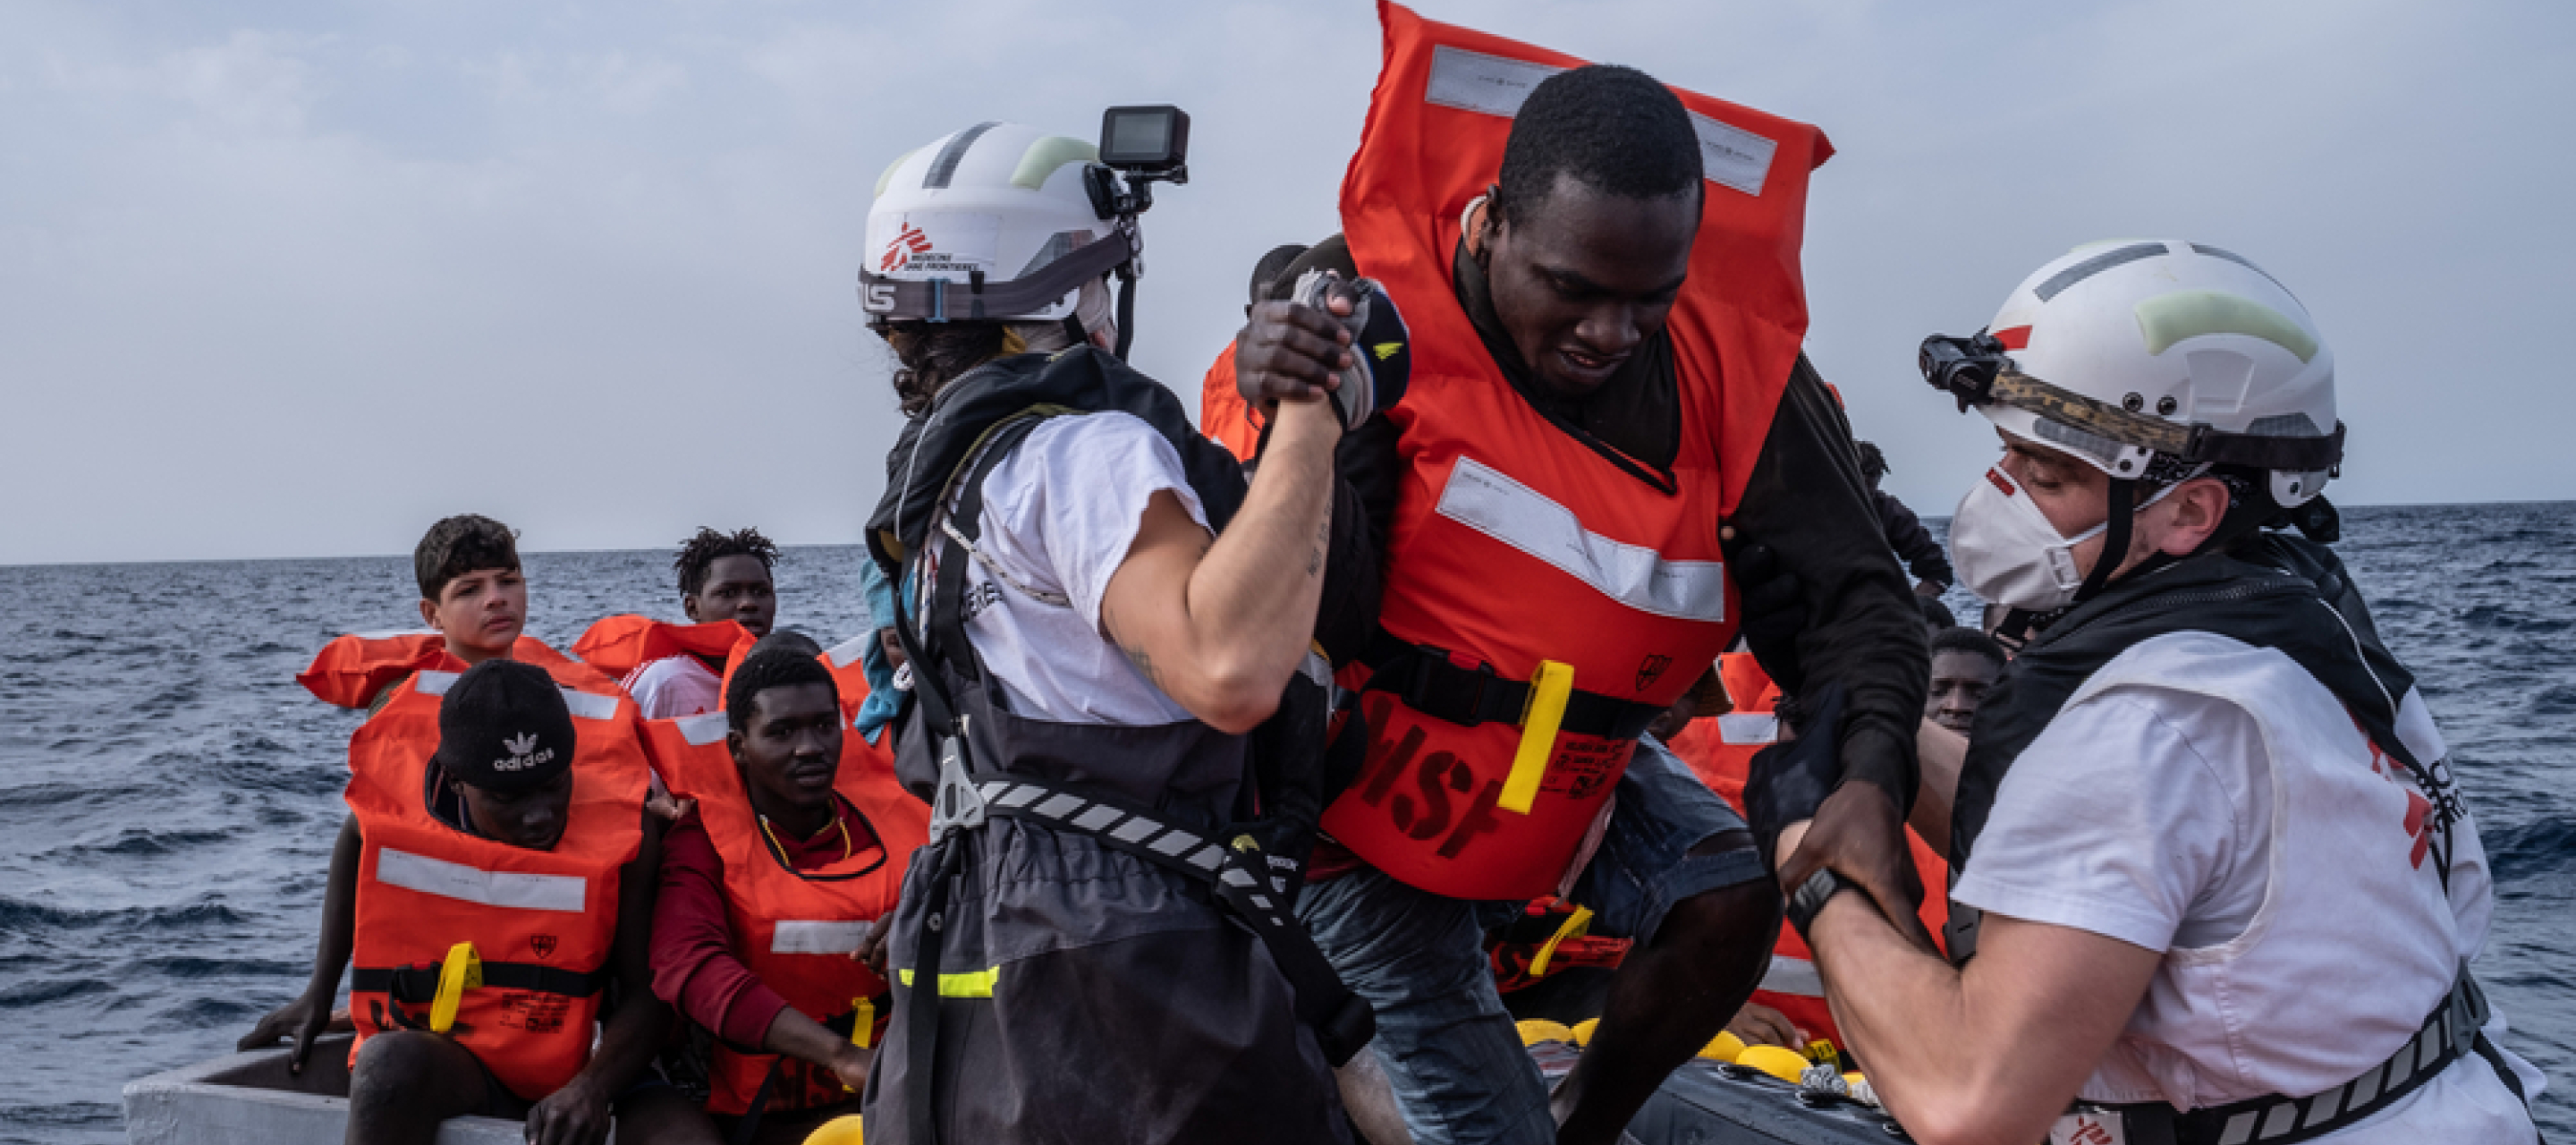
(675, 686)
(2155, 808)
(1060, 514)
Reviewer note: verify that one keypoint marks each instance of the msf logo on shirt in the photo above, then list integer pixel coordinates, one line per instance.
(523, 753)
(907, 242)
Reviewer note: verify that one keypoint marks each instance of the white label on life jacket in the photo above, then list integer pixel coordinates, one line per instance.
(848, 651)
(1474, 81)
(589, 705)
(1481, 498)
(1792, 976)
(511, 890)
(801, 937)
(1744, 729)
(1731, 156)
(702, 729)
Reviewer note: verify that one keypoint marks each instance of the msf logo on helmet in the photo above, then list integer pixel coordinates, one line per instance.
(523, 753)
(906, 243)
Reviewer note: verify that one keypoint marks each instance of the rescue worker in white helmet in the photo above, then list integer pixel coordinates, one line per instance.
(1099, 613)
(2215, 881)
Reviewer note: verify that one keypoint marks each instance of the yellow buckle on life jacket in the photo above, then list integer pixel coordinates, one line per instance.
(461, 971)
(1550, 687)
(863, 1021)
(1576, 925)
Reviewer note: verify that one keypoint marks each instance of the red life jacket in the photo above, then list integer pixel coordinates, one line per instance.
(1223, 415)
(351, 671)
(794, 929)
(543, 923)
(1513, 542)
(618, 645)
(1720, 751)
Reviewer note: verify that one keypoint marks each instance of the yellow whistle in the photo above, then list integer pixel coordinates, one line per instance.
(863, 1021)
(1550, 687)
(461, 971)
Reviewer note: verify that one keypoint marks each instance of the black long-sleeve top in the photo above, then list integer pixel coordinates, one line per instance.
(1806, 499)
(1913, 543)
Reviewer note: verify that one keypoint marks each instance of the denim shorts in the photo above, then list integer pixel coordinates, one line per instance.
(1449, 1047)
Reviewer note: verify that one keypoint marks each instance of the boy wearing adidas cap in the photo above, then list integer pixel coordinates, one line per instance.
(492, 886)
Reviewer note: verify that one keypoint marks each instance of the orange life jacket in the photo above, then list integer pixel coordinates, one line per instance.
(543, 923)
(794, 929)
(849, 678)
(1223, 415)
(351, 671)
(1720, 751)
(1514, 544)
(618, 645)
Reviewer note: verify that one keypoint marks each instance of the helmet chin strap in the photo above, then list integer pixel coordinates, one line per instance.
(2115, 539)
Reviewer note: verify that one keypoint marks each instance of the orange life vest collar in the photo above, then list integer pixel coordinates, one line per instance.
(618, 645)
(1516, 548)
(351, 671)
(794, 929)
(543, 923)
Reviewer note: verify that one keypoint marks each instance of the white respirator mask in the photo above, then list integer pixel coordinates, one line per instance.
(2007, 553)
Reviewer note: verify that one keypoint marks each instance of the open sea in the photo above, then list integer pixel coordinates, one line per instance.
(168, 795)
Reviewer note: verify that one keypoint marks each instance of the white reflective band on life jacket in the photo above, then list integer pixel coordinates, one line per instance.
(1482, 499)
(507, 889)
(701, 730)
(586, 705)
(1473, 81)
(804, 937)
(1743, 729)
(1793, 976)
(848, 651)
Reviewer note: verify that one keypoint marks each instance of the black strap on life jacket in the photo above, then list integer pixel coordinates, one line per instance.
(1429, 682)
(418, 985)
(2450, 1032)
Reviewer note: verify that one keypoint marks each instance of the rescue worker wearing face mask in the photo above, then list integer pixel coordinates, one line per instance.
(2216, 883)
(1100, 614)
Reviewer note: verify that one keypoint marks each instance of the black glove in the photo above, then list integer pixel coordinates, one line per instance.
(1788, 781)
(1775, 609)
(1381, 349)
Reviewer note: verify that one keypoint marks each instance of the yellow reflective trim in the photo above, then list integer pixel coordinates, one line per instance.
(1576, 926)
(2169, 318)
(462, 971)
(1549, 689)
(972, 984)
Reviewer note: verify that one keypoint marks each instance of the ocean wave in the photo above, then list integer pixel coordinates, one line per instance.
(2523, 852)
(20, 995)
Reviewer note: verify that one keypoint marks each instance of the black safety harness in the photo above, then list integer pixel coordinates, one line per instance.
(2280, 593)
(1255, 884)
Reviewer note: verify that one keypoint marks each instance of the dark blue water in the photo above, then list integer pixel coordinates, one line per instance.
(168, 796)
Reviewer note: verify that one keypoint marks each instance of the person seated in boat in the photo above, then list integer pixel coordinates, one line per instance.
(723, 576)
(1965, 663)
(798, 845)
(493, 887)
(2217, 879)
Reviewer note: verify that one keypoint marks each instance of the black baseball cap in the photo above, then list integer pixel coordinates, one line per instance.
(504, 727)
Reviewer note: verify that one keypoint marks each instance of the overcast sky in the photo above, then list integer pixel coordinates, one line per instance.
(283, 279)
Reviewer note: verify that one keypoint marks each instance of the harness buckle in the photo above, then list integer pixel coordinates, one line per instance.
(956, 804)
(1423, 692)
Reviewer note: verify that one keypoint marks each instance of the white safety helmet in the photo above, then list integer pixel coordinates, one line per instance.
(2153, 360)
(998, 221)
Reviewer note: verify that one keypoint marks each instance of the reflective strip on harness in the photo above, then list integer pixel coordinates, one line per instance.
(1482, 498)
(972, 984)
(507, 889)
(809, 937)
(1179, 845)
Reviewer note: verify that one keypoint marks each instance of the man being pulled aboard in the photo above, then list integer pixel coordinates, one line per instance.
(798, 844)
(1605, 371)
(1098, 611)
(493, 886)
(2229, 890)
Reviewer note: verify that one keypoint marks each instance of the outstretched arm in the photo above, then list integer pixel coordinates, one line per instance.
(1219, 625)
(303, 1019)
(1990, 1053)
